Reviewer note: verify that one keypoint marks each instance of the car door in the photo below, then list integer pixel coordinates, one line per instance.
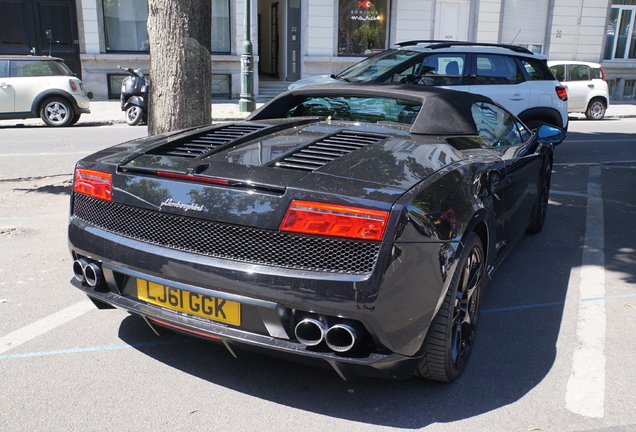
(499, 78)
(509, 139)
(579, 84)
(30, 77)
(7, 93)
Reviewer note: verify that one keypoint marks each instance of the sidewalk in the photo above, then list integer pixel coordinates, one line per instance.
(109, 112)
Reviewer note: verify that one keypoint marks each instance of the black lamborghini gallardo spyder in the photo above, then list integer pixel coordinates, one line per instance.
(350, 226)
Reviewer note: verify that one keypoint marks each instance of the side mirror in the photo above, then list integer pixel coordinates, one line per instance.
(548, 134)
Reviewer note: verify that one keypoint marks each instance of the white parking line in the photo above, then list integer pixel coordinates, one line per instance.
(44, 325)
(585, 394)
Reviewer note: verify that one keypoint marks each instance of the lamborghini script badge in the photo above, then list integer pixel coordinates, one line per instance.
(170, 203)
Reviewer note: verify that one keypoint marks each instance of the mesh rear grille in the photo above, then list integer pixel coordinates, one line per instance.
(329, 149)
(233, 242)
(200, 144)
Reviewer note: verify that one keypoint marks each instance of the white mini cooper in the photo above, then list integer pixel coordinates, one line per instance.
(44, 87)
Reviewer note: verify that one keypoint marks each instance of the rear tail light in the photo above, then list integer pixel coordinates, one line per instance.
(93, 183)
(335, 220)
(602, 73)
(562, 93)
(73, 85)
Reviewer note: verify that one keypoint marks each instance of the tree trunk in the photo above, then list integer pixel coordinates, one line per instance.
(180, 92)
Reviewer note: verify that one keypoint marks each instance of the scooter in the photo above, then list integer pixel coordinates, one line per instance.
(134, 96)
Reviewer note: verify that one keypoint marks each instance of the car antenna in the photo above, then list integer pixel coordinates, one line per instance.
(515, 38)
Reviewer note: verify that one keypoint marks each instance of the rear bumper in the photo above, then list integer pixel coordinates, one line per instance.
(83, 104)
(387, 366)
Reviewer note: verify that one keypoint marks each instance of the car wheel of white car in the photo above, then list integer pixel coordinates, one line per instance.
(595, 110)
(57, 111)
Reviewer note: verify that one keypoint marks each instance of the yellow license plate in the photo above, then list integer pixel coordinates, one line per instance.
(199, 305)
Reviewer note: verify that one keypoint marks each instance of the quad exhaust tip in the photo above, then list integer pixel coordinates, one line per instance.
(341, 337)
(310, 332)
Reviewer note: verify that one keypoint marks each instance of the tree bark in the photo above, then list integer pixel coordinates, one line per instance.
(180, 37)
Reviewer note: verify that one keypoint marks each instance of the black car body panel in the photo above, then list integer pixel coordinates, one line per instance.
(198, 213)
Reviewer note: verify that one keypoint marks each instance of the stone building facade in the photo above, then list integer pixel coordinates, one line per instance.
(295, 39)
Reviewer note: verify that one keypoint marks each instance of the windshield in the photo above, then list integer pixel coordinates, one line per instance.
(377, 65)
(359, 109)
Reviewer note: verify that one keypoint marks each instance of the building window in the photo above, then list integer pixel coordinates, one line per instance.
(362, 26)
(221, 86)
(535, 48)
(125, 25)
(620, 38)
(221, 26)
(629, 92)
(114, 85)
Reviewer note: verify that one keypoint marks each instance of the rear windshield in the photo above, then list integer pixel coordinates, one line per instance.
(536, 70)
(32, 68)
(376, 66)
(359, 109)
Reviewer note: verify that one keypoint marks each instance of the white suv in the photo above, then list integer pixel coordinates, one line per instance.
(41, 87)
(588, 91)
(510, 75)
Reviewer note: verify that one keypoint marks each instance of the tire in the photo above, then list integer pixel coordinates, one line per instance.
(595, 110)
(76, 118)
(540, 207)
(57, 111)
(134, 115)
(450, 338)
(534, 124)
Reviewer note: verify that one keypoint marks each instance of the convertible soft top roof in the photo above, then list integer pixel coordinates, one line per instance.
(443, 112)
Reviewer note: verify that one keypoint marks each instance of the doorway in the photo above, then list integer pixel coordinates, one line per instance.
(40, 27)
(279, 39)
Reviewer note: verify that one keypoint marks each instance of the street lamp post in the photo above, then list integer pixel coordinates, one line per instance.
(247, 102)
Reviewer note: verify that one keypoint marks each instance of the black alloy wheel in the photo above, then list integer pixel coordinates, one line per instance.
(540, 208)
(451, 337)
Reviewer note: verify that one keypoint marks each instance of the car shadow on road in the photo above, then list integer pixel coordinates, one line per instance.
(515, 349)
(78, 125)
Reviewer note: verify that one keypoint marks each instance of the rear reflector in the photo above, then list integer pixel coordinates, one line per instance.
(93, 183)
(562, 93)
(175, 327)
(335, 220)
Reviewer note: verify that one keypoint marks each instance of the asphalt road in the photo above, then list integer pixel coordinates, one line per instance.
(554, 353)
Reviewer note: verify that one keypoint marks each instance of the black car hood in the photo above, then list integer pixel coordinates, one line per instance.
(242, 171)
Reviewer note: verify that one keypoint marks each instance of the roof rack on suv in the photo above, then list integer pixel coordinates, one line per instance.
(435, 44)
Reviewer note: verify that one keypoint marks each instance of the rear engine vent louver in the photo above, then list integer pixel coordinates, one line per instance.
(197, 145)
(328, 149)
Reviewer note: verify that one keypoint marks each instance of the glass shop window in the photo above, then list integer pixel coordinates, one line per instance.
(125, 25)
(363, 26)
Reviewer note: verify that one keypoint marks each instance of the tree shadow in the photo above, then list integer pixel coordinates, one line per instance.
(64, 188)
(43, 125)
